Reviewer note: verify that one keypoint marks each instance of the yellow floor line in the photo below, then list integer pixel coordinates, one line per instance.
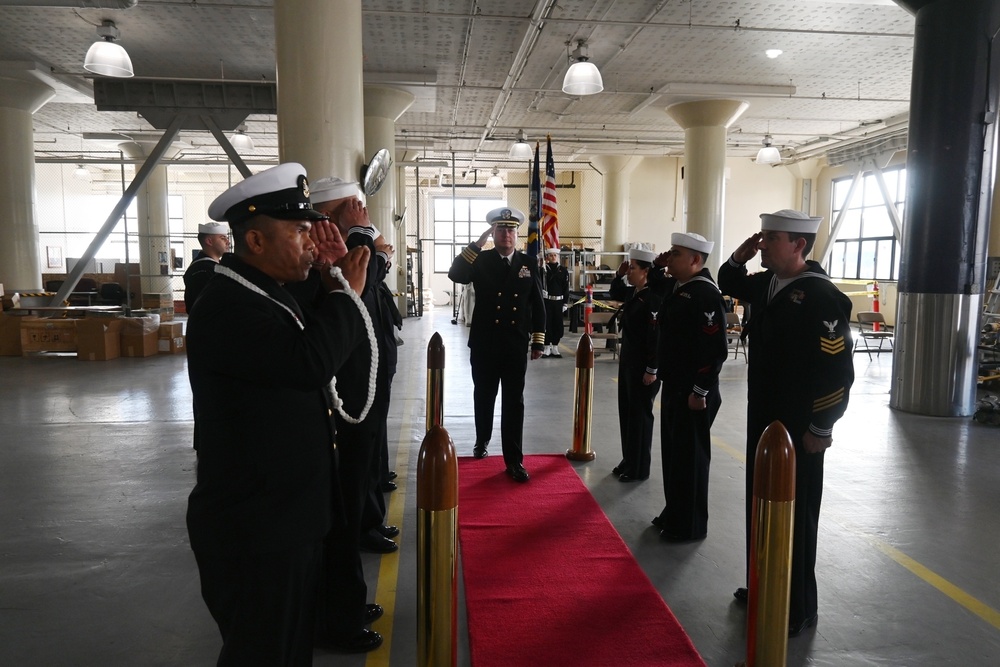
(977, 607)
(388, 571)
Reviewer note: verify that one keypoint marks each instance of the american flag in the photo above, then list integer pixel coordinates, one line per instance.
(550, 216)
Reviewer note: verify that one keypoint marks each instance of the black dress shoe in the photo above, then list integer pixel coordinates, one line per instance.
(392, 475)
(742, 595)
(658, 522)
(388, 486)
(617, 470)
(479, 450)
(795, 629)
(364, 641)
(373, 542)
(518, 472)
(388, 531)
(373, 612)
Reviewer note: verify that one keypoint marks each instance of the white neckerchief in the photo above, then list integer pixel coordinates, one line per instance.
(369, 329)
(778, 284)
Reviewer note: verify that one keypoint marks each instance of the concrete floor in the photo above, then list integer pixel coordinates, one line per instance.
(96, 465)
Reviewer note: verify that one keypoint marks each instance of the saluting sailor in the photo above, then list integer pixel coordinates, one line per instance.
(259, 366)
(509, 315)
(214, 240)
(800, 373)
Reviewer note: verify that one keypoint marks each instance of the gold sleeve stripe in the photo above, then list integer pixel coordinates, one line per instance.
(829, 400)
(469, 256)
(835, 346)
(538, 338)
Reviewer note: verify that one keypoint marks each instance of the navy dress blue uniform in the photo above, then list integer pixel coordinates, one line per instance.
(258, 368)
(636, 357)
(202, 267)
(509, 315)
(556, 295)
(691, 351)
(800, 373)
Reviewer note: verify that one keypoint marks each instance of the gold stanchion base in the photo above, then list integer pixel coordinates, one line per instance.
(574, 455)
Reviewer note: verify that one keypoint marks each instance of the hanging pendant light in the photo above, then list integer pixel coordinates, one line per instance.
(81, 173)
(494, 181)
(582, 77)
(105, 57)
(241, 141)
(768, 154)
(520, 150)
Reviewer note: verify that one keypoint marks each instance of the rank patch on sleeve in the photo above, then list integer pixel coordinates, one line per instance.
(829, 400)
(835, 346)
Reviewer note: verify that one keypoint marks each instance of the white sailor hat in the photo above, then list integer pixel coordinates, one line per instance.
(788, 220)
(552, 251)
(505, 217)
(213, 228)
(279, 192)
(330, 188)
(693, 241)
(640, 255)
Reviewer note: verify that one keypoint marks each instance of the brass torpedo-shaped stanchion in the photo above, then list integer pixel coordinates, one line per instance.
(583, 401)
(772, 524)
(435, 382)
(437, 550)
(437, 526)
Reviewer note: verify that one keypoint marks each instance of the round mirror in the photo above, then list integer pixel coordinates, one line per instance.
(373, 174)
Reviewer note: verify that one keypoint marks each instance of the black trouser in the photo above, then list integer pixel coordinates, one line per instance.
(502, 363)
(373, 514)
(264, 604)
(686, 453)
(635, 419)
(553, 321)
(803, 601)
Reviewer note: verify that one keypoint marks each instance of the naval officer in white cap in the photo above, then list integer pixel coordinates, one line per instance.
(259, 367)
(637, 364)
(214, 240)
(508, 320)
(800, 373)
(692, 348)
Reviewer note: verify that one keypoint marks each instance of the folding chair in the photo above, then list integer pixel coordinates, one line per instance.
(734, 335)
(866, 332)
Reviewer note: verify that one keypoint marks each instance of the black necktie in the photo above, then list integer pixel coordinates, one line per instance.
(507, 261)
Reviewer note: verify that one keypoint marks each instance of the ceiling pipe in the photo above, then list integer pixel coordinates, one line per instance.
(72, 4)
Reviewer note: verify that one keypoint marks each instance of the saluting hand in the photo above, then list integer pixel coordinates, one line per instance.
(354, 214)
(354, 265)
(748, 249)
(485, 235)
(329, 243)
(386, 248)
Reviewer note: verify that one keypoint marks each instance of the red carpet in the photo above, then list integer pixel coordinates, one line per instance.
(548, 580)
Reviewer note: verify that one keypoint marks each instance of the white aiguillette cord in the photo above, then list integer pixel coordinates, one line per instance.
(369, 328)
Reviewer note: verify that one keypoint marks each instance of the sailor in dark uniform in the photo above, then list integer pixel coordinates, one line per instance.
(637, 365)
(509, 315)
(259, 366)
(214, 240)
(556, 293)
(692, 349)
(800, 373)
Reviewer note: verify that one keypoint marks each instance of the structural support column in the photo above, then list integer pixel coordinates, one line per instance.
(705, 123)
(616, 170)
(152, 223)
(383, 106)
(20, 263)
(950, 161)
(320, 81)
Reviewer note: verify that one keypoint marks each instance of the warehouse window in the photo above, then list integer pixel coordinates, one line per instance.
(458, 225)
(866, 247)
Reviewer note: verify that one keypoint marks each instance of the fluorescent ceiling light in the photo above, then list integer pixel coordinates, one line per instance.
(773, 53)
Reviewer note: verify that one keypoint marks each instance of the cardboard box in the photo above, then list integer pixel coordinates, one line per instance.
(140, 335)
(170, 329)
(43, 335)
(153, 300)
(173, 345)
(10, 335)
(98, 339)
